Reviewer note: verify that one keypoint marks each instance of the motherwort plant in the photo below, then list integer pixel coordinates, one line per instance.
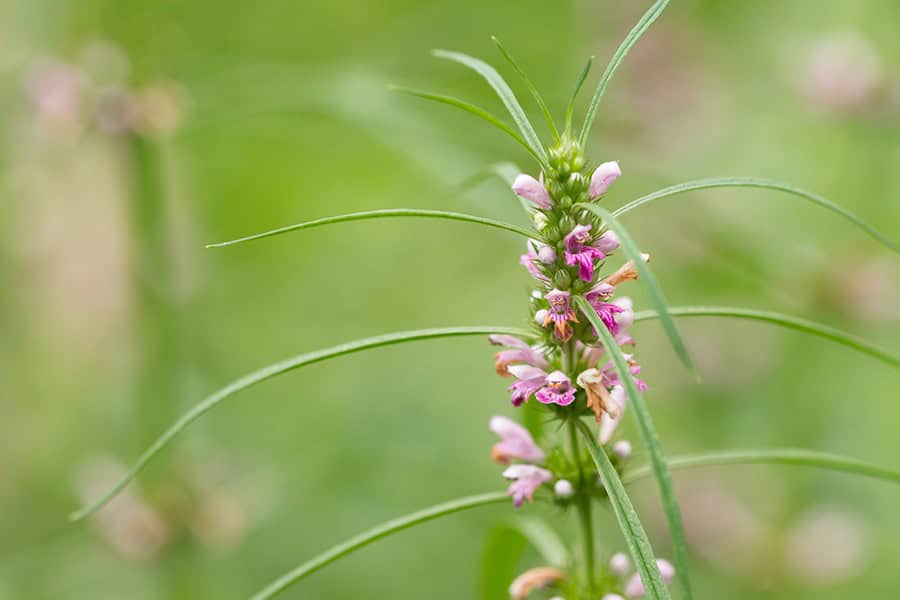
(574, 365)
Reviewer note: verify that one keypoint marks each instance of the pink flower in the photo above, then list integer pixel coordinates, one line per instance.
(611, 376)
(526, 480)
(528, 381)
(532, 190)
(560, 313)
(603, 177)
(635, 587)
(557, 391)
(540, 253)
(515, 442)
(519, 352)
(580, 251)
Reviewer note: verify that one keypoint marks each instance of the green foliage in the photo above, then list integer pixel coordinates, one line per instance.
(389, 213)
(273, 370)
(534, 92)
(755, 182)
(506, 96)
(635, 537)
(651, 441)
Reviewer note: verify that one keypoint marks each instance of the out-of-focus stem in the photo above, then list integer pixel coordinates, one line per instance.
(585, 519)
(156, 313)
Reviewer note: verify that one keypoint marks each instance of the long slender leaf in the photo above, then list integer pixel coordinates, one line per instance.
(649, 281)
(478, 112)
(630, 40)
(651, 441)
(570, 108)
(504, 92)
(544, 539)
(271, 371)
(375, 534)
(783, 456)
(501, 556)
(531, 88)
(756, 182)
(388, 213)
(796, 323)
(635, 537)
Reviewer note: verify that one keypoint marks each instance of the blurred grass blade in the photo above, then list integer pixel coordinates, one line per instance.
(506, 96)
(277, 369)
(755, 182)
(375, 534)
(388, 213)
(796, 323)
(570, 109)
(544, 539)
(635, 536)
(478, 112)
(630, 40)
(781, 456)
(531, 88)
(501, 556)
(646, 277)
(654, 448)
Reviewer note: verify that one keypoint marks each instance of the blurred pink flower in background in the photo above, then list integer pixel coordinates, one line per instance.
(843, 73)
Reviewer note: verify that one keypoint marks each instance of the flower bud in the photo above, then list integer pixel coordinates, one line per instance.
(546, 254)
(532, 190)
(541, 316)
(619, 563)
(613, 597)
(562, 280)
(603, 177)
(533, 579)
(540, 221)
(563, 489)
(622, 449)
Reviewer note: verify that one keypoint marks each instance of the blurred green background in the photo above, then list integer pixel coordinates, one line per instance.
(114, 318)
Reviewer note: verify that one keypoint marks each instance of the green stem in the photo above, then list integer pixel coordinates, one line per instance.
(585, 520)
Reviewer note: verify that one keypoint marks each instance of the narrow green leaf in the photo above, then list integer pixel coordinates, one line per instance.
(277, 369)
(796, 323)
(375, 534)
(630, 40)
(755, 182)
(478, 112)
(783, 456)
(531, 88)
(506, 96)
(635, 537)
(651, 441)
(389, 213)
(647, 278)
(570, 109)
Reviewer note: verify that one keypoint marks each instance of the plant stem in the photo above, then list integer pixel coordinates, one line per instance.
(585, 519)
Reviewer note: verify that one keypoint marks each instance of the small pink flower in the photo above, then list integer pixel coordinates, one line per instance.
(635, 587)
(518, 352)
(533, 255)
(619, 564)
(580, 251)
(528, 381)
(515, 442)
(532, 190)
(526, 480)
(603, 177)
(622, 449)
(560, 313)
(611, 376)
(557, 391)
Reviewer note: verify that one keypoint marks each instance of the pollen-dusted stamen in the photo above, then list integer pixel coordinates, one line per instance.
(560, 313)
(626, 272)
(534, 579)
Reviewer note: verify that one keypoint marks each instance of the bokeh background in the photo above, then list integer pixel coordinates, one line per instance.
(114, 318)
